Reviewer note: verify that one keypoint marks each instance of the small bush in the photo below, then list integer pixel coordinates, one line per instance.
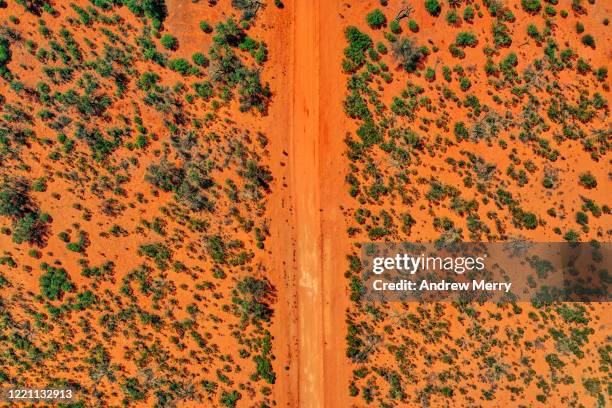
(433, 7)
(589, 41)
(180, 65)
(376, 19)
(169, 42)
(466, 39)
(588, 180)
(531, 6)
(200, 59)
(204, 26)
(395, 27)
(452, 17)
(468, 14)
(413, 26)
(430, 74)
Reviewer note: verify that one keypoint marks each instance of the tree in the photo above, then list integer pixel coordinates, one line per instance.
(408, 54)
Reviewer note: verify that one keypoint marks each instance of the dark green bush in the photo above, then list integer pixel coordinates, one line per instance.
(531, 6)
(588, 40)
(55, 282)
(466, 39)
(433, 7)
(588, 180)
(376, 19)
(169, 42)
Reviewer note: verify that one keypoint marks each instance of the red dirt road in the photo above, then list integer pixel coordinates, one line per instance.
(304, 162)
(317, 175)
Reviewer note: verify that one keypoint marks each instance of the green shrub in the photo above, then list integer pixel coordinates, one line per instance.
(376, 19)
(571, 236)
(254, 299)
(31, 228)
(468, 14)
(601, 74)
(588, 180)
(369, 133)
(395, 26)
(452, 17)
(588, 40)
(204, 26)
(216, 248)
(159, 252)
(230, 399)
(152, 9)
(355, 52)
(501, 36)
(461, 132)
(5, 55)
(200, 59)
(532, 31)
(54, 283)
(180, 65)
(413, 26)
(430, 74)
(169, 42)
(39, 185)
(466, 39)
(531, 6)
(433, 7)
